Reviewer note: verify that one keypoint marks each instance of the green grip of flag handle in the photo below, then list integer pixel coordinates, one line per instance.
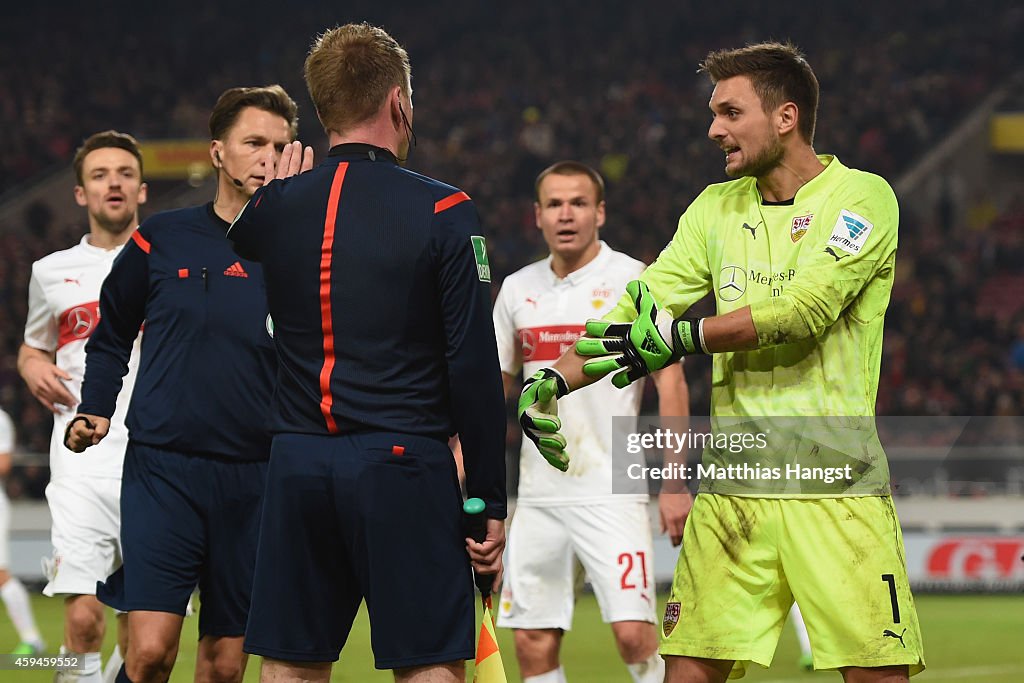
(473, 506)
(476, 528)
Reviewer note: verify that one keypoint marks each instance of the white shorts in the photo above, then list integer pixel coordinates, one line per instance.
(86, 534)
(5, 528)
(550, 548)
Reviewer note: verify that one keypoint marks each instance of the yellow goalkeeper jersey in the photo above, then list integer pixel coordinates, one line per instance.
(817, 275)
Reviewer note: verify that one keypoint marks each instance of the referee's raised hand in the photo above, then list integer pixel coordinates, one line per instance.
(294, 160)
(84, 431)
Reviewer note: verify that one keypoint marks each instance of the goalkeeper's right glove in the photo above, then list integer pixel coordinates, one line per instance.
(648, 344)
(538, 415)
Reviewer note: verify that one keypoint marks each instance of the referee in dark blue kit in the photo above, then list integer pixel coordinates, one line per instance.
(378, 284)
(195, 467)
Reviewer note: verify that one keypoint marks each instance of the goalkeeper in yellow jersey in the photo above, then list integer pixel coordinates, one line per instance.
(799, 251)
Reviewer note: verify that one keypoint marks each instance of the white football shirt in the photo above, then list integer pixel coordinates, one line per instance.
(63, 310)
(537, 317)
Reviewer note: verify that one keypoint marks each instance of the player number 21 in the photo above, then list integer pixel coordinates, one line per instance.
(626, 559)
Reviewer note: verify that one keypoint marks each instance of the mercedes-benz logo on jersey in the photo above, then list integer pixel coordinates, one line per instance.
(80, 322)
(733, 282)
(528, 342)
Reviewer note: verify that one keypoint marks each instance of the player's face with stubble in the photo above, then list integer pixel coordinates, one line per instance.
(111, 188)
(742, 129)
(568, 214)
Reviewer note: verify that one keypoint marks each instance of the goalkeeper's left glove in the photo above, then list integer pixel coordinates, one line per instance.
(648, 344)
(538, 415)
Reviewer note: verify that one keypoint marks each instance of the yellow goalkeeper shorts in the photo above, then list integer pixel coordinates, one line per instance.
(744, 560)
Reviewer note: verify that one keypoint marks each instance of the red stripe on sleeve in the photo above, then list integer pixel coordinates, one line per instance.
(450, 201)
(141, 241)
(326, 322)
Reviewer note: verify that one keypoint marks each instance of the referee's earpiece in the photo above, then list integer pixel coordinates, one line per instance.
(236, 181)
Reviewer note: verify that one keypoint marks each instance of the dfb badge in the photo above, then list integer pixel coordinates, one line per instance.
(668, 624)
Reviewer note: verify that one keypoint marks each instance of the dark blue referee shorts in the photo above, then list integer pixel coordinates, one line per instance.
(372, 515)
(187, 520)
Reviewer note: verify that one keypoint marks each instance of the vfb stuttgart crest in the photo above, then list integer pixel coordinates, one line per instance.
(668, 624)
(800, 226)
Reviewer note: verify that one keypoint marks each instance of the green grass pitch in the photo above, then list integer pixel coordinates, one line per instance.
(967, 638)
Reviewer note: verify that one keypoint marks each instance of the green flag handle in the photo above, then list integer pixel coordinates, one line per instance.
(476, 528)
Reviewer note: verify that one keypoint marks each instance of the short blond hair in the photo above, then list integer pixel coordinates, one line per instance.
(571, 168)
(349, 72)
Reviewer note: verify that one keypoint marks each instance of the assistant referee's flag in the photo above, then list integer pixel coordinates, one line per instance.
(489, 668)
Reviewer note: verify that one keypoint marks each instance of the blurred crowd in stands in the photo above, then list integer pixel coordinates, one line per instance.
(502, 90)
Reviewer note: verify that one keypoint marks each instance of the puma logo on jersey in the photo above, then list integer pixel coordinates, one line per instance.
(753, 230)
(837, 257)
(892, 634)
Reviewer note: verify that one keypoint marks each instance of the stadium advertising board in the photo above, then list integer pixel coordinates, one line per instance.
(958, 562)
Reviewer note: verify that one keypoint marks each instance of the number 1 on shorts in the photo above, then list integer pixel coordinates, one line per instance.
(891, 580)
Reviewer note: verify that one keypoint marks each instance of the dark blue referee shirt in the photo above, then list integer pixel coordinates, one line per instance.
(208, 363)
(378, 282)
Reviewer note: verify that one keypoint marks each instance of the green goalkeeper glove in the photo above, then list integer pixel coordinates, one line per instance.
(634, 350)
(538, 415)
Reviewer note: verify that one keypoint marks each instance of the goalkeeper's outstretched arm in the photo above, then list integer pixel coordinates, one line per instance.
(732, 331)
(570, 366)
(654, 340)
(618, 352)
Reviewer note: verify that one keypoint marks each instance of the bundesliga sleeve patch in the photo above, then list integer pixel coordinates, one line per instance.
(850, 232)
(483, 266)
